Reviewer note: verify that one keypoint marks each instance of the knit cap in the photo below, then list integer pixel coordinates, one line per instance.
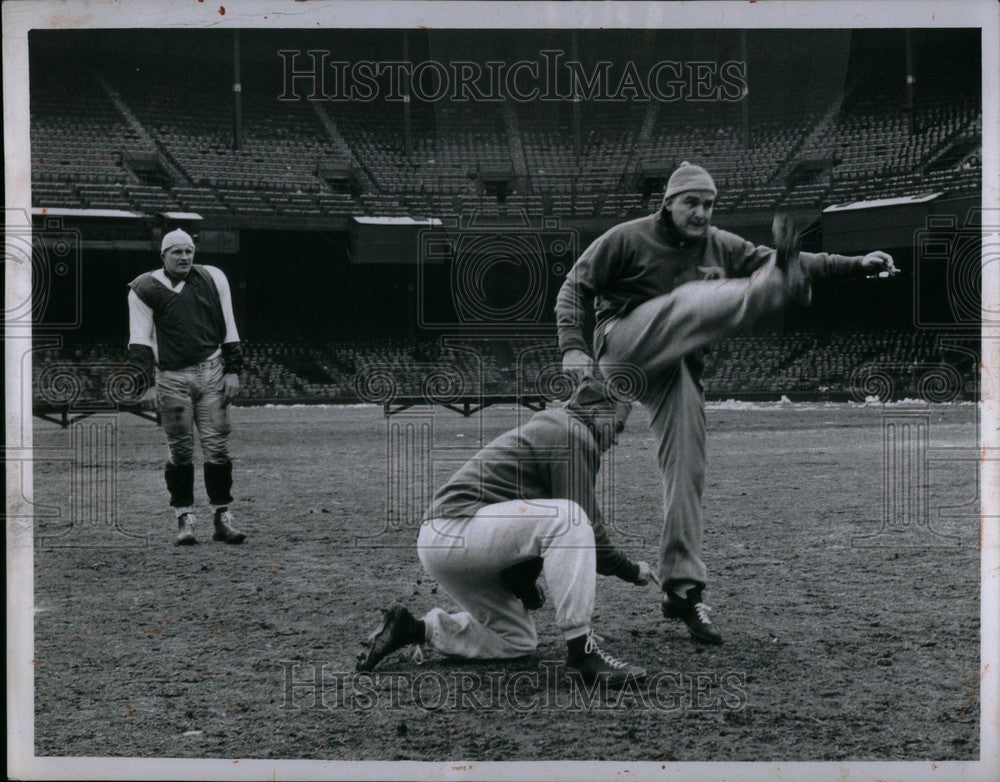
(689, 177)
(174, 238)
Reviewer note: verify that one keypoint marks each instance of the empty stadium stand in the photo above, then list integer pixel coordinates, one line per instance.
(90, 126)
(154, 134)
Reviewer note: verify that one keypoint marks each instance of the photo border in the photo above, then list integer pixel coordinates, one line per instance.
(20, 16)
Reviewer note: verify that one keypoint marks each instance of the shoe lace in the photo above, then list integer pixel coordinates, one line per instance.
(591, 647)
(703, 610)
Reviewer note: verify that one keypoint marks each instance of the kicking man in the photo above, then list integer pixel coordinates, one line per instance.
(664, 288)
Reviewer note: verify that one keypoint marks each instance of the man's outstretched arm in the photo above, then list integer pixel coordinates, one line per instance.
(829, 266)
(744, 258)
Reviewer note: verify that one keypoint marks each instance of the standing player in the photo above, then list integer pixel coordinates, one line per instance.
(663, 291)
(524, 503)
(181, 323)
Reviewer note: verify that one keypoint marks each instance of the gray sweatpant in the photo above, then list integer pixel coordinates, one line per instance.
(654, 338)
(466, 557)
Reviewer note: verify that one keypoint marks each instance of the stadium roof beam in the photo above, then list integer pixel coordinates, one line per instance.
(181, 216)
(102, 214)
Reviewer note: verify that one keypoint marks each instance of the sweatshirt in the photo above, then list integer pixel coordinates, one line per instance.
(179, 325)
(553, 456)
(647, 257)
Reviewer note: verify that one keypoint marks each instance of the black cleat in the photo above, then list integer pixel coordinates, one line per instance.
(596, 665)
(787, 243)
(225, 532)
(694, 614)
(521, 579)
(185, 530)
(398, 629)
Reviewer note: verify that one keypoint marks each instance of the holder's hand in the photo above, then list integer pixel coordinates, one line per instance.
(646, 575)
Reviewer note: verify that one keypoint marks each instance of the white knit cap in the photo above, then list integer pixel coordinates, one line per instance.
(689, 177)
(174, 238)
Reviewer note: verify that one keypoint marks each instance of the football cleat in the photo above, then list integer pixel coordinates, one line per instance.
(694, 614)
(185, 530)
(597, 665)
(225, 532)
(399, 628)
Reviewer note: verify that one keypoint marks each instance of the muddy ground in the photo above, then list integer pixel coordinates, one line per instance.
(845, 639)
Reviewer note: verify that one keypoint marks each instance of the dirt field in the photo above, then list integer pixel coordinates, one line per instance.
(836, 648)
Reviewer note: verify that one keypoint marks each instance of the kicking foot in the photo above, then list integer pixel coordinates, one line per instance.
(787, 242)
(694, 614)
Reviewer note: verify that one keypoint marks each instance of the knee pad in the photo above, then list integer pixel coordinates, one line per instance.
(218, 417)
(176, 417)
(214, 449)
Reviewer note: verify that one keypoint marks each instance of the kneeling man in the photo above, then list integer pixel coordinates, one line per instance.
(524, 504)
